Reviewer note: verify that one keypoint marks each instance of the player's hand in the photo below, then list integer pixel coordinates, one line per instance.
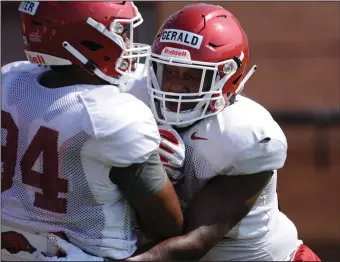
(172, 153)
(72, 252)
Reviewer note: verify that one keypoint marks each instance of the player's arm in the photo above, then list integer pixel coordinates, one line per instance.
(219, 206)
(224, 201)
(126, 139)
(150, 192)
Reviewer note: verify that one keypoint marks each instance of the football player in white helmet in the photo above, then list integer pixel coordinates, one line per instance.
(234, 147)
(78, 156)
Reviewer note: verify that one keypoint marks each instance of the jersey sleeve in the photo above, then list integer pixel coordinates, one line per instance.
(123, 127)
(242, 139)
(260, 145)
(140, 180)
(266, 155)
(18, 66)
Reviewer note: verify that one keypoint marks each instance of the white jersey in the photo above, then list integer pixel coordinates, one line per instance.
(58, 146)
(242, 139)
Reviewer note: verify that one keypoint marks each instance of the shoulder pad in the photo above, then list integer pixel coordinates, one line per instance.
(241, 139)
(19, 66)
(138, 89)
(124, 128)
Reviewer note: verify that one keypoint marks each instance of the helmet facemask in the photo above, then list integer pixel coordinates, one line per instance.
(135, 51)
(209, 97)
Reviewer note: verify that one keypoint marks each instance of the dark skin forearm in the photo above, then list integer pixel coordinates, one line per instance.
(217, 209)
(193, 245)
(182, 248)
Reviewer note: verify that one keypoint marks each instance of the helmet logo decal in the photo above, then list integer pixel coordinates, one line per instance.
(44, 59)
(181, 37)
(175, 52)
(36, 59)
(28, 7)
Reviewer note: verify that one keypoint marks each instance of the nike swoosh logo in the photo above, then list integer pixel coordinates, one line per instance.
(194, 137)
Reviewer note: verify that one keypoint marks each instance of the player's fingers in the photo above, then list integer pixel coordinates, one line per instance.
(172, 160)
(59, 242)
(170, 147)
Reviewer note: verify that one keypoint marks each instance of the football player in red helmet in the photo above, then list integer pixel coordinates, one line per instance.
(233, 145)
(76, 157)
(199, 56)
(98, 37)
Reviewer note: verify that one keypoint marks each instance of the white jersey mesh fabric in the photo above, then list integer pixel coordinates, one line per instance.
(80, 200)
(264, 234)
(198, 172)
(212, 149)
(216, 145)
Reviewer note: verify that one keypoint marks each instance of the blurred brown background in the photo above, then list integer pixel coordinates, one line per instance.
(296, 46)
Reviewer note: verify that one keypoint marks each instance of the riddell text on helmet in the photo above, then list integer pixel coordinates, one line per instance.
(36, 59)
(176, 53)
(181, 37)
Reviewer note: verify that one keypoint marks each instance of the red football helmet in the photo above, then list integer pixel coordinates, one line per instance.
(206, 37)
(89, 34)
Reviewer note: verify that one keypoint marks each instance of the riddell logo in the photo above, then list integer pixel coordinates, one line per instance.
(174, 52)
(38, 59)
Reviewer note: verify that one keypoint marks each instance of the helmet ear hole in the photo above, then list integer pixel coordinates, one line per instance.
(92, 46)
